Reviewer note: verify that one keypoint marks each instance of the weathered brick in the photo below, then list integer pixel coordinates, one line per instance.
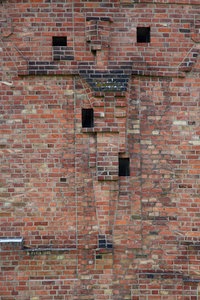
(87, 232)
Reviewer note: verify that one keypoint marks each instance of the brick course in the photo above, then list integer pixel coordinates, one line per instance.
(86, 232)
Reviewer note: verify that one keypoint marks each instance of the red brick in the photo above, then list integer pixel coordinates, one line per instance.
(96, 235)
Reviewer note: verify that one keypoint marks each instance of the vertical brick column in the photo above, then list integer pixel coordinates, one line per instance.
(196, 31)
(107, 155)
(98, 36)
(109, 129)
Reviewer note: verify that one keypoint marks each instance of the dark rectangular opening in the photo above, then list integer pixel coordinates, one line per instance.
(63, 179)
(102, 244)
(87, 117)
(98, 256)
(143, 34)
(124, 167)
(59, 41)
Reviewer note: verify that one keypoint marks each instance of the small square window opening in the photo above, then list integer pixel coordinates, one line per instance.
(87, 117)
(143, 34)
(59, 41)
(62, 179)
(124, 167)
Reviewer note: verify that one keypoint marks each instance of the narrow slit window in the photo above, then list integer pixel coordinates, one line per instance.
(124, 167)
(59, 41)
(87, 117)
(143, 34)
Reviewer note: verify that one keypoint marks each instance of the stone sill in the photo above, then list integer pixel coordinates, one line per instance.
(10, 243)
(11, 240)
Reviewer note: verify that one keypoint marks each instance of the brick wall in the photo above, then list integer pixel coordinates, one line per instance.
(71, 227)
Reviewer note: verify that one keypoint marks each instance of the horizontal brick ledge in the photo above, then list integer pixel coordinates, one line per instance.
(39, 251)
(100, 251)
(98, 129)
(108, 177)
(182, 2)
(159, 274)
(159, 73)
(192, 280)
(51, 73)
(111, 93)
